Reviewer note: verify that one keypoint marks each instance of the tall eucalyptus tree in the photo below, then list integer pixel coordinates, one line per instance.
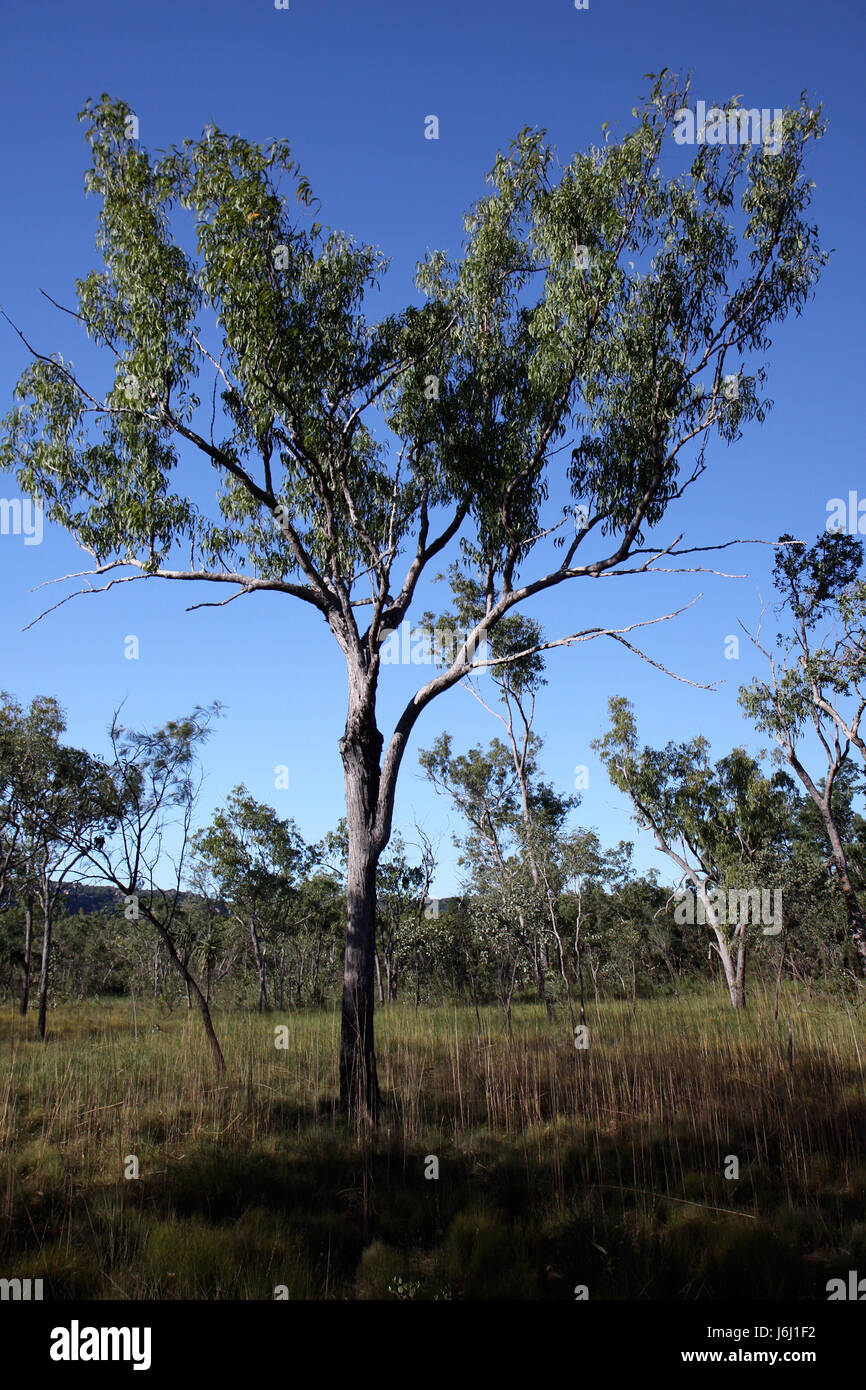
(553, 364)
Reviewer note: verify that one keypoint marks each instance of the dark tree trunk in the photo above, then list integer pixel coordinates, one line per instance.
(784, 944)
(856, 918)
(359, 1088)
(537, 962)
(259, 955)
(46, 960)
(360, 747)
(508, 995)
(28, 955)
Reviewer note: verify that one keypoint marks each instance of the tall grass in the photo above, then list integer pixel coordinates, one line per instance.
(558, 1167)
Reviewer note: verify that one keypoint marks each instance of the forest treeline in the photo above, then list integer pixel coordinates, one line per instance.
(630, 943)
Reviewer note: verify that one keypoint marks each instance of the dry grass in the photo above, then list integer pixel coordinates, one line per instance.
(606, 1164)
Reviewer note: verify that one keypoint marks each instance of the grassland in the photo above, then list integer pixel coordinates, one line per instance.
(558, 1167)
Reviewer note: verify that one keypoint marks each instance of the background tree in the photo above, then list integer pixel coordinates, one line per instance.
(583, 865)
(315, 930)
(52, 810)
(255, 860)
(817, 680)
(517, 678)
(399, 896)
(588, 302)
(483, 786)
(149, 789)
(710, 821)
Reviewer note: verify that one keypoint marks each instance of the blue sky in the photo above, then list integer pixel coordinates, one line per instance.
(350, 85)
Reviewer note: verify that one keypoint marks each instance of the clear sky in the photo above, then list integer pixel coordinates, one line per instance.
(350, 85)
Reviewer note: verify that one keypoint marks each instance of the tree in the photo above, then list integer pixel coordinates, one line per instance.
(483, 786)
(399, 899)
(587, 303)
(52, 808)
(255, 860)
(514, 816)
(17, 787)
(583, 863)
(542, 811)
(315, 929)
(711, 821)
(418, 934)
(149, 789)
(818, 682)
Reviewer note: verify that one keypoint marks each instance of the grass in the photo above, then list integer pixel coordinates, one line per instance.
(557, 1167)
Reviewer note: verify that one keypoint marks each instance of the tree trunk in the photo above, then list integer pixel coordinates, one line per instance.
(316, 967)
(360, 747)
(580, 985)
(535, 959)
(380, 991)
(734, 975)
(509, 995)
(856, 918)
(191, 984)
(43, 974)
(741, 968)
(259, 955)
(784, 944)
(593, 968)
(28, 953)
(359, 1087)
(564, 973)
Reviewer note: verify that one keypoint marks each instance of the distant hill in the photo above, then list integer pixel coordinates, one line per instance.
(89, 897)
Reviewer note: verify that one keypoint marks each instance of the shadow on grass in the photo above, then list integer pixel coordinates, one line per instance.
(311, 1212)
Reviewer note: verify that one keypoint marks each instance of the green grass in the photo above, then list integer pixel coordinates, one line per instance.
(558, 1167)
